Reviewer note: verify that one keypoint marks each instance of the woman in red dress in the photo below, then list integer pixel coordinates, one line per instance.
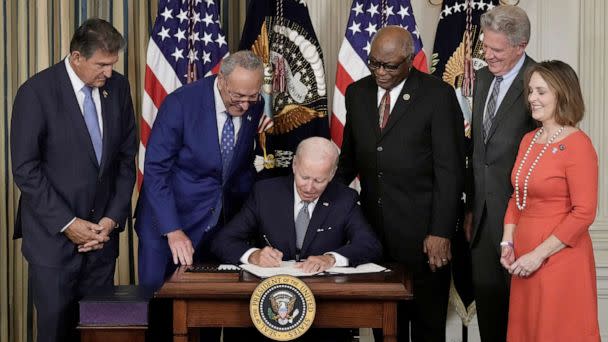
(546, 244)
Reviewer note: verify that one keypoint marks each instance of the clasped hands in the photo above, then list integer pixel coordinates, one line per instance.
(272, 257)
(89, 236)
(523, 266)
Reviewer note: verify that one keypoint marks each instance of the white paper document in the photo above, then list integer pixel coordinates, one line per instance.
(288, 268)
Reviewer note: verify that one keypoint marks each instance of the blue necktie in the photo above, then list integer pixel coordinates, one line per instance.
(90, 118)
(227, 143)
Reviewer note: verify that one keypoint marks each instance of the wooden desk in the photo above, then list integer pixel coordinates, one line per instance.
(354, 301)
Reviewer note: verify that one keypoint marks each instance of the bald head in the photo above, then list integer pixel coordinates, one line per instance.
(391, 55)
(394, 38)
(314, 167)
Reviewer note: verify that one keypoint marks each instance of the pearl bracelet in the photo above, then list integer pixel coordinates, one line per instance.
(506, 244)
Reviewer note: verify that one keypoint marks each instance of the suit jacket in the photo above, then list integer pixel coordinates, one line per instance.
(412, 171)
(336, 225)
(55, 167)
(183, 186)
(493, 160)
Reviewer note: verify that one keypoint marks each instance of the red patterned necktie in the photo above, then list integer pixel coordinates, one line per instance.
(385, 109)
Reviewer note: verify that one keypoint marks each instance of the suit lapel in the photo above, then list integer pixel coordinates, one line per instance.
(246, 126)
(370, 106)
(107, 115)
(322, 209)
(284, 210)
(73, 111)
(483, 84)
(514, 92)
(405, 99)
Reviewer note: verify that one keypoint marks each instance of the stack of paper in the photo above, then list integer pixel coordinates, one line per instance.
(288, 268)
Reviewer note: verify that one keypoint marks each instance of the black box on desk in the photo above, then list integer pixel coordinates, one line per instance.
(124, 305)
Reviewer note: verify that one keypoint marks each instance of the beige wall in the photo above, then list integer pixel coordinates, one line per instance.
(571, 30)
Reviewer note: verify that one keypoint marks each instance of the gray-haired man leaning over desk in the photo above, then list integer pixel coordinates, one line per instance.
(305, 216)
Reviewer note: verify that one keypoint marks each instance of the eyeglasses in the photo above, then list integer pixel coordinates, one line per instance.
(239, 98)
(375, 65)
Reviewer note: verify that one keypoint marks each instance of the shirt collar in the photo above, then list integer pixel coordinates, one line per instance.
(220, 107)
(515, 70)
(77, 83)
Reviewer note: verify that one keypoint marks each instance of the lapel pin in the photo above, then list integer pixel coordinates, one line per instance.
(325, 204)
(105, 93)
(328, 228)
(320, 230)
(562, 147)
(554, 150)
(249, 117)
(406, 97)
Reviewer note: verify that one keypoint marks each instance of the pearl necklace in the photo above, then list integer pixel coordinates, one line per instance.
(522, 205)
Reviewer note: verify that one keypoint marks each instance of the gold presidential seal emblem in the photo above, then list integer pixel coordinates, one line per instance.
(282, 308)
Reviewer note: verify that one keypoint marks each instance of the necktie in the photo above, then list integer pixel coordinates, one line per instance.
(302, 221)
(227, 143)
(90, 118)
(385, 109)
(491, 108)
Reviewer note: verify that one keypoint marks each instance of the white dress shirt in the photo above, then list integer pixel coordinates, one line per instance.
(507, 80)
(222, 116)
(394, 92)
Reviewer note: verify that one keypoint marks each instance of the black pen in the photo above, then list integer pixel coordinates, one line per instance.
(267, 242)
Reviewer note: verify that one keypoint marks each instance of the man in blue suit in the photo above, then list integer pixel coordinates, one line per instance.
(198, 166)
(73, 146)
(333, 231)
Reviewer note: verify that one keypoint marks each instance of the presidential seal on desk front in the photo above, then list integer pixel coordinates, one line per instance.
(282, 308)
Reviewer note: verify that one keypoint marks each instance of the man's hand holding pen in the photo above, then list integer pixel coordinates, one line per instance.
(266, 257)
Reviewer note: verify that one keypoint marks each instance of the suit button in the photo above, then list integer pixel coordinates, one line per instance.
(92, 211)
(487, 166)
(379, 202)
(212, 210)
(379, 149)
(380, 174)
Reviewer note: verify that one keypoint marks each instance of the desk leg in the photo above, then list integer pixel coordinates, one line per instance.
(389, 322)
(180, 327)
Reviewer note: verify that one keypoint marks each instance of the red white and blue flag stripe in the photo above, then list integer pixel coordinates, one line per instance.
(366, 18)
(186, 43)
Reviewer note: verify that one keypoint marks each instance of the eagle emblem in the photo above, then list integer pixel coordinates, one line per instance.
(281, 307)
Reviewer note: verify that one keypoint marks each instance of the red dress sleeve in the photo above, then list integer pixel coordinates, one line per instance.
(582, 178)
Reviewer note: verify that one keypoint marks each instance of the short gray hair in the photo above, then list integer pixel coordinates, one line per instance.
(509, 20)
(244, 59)
(318, 148)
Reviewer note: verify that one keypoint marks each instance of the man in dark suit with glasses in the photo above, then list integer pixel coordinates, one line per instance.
(404, 138)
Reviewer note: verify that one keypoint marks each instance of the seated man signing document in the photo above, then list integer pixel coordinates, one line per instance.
(304, 217)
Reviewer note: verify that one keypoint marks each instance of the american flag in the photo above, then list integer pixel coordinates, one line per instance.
(186, 43)
(366, 18)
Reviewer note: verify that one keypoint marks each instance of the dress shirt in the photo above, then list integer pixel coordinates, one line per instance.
(507, 80)
(395, 91)
(221, 116)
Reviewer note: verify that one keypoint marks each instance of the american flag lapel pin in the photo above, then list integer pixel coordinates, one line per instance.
(326, 204)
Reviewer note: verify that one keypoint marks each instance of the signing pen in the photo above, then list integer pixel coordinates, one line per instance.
(267, 242)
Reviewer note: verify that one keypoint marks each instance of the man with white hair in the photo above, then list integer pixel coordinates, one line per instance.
(500, 119)
(305, 217)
